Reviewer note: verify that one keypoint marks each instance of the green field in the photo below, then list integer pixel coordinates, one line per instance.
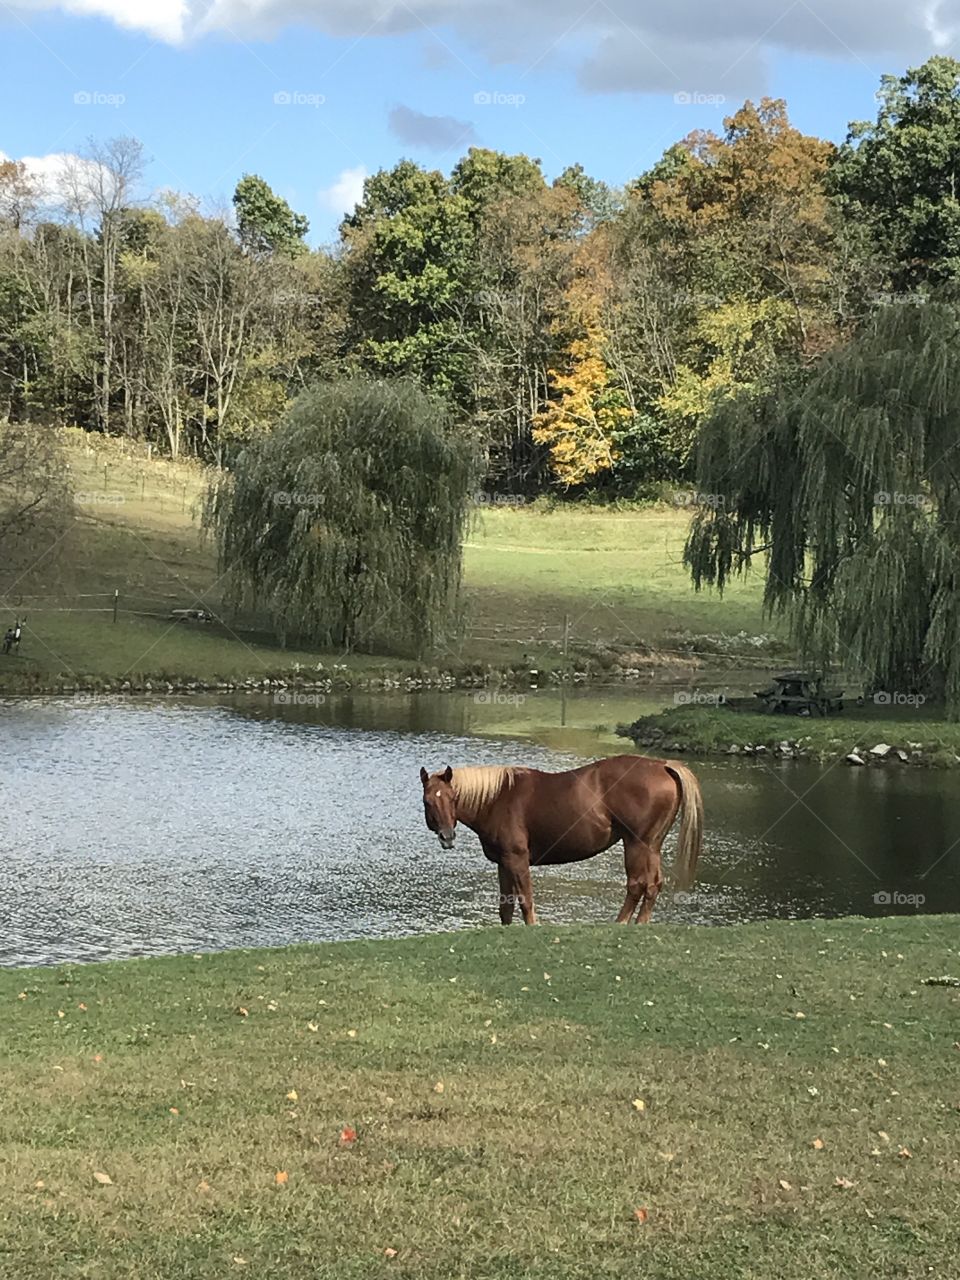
(471, 1103)
(615, 576)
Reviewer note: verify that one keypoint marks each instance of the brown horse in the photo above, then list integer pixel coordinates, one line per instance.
(525, 817)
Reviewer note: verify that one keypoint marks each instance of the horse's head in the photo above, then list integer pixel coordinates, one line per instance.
(439, 805)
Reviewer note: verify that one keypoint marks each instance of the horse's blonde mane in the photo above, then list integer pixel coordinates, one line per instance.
(476, 785)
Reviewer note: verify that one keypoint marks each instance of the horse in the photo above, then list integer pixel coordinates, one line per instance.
(526, 817)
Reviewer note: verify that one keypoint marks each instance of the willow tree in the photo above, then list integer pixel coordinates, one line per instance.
(346, 522)
(848, 482)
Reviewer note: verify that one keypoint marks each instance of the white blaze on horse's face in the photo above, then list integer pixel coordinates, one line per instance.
(439, 805)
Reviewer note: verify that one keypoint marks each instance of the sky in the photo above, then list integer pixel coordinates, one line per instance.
(314, 95)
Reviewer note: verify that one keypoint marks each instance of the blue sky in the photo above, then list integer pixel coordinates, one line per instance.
(203, 85)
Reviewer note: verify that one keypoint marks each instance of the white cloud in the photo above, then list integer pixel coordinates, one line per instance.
(345, 193)
(163, 19)
(624, 46)
(65, 179)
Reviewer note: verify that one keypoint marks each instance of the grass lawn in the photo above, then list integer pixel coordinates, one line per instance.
(773, 1101)
(712, 730)
(617, 577)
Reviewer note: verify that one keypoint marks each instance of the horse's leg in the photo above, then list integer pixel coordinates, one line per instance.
(652, 875)
(508, 894)
(644, 878)
(518, 866)
(633, 866)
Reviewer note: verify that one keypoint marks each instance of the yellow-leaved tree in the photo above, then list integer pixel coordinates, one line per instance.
(587, 408)
(742, 342)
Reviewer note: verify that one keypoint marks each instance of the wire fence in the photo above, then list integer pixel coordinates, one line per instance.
(561, 638)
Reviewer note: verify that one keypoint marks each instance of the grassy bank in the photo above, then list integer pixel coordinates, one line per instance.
(612, 578)
(716, 731)
(776, 1100)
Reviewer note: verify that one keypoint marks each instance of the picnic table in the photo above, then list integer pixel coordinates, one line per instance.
(800, 693)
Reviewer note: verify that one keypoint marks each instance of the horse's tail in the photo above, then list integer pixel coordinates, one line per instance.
(690, 837)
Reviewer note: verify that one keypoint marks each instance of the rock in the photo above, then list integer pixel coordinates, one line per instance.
(760, 749)
(733, 749)
(902, 756)
(881, 750)
(853, 758)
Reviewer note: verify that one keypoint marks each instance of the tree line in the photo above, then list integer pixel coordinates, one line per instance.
(583, 336)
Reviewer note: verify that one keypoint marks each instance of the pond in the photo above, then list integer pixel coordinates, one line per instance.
(133, 828)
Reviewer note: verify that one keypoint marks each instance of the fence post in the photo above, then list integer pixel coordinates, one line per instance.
(116, 602)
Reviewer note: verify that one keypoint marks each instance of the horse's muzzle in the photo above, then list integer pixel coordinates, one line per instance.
(446, 839)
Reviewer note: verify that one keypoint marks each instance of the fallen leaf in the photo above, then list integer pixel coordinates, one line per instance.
(667, 1155)
(389, 1253)
(61, 1014)
(174, 1111)
(104, 1179)
(884, 1137)
(292, 1096)
(881, 1062)
(843, 1182)
(493, 1039)
(786, 1185)
(347, 1135)
(23, 996)
(243, 1013)
(313, 1026)
(817, 1144)
(798, 1014)
(641, 1214)
(203, 1185)
(241, 1262)
(438, 1087)
(82, 1006)
(98, 1057)
(905, 1153)
(639, 1104)
(39, 1185)
(281, 1178)
(352, 1034)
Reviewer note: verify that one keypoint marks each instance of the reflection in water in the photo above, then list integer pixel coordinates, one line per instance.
(142, 828)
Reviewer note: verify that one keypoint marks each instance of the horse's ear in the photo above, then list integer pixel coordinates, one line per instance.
(447, 774)
(424, 776)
